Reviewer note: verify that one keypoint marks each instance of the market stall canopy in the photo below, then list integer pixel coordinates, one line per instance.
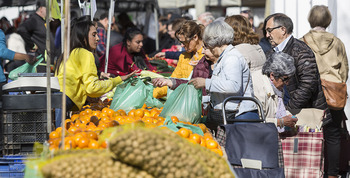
(123, 5)
(216, 3)
(12, 3)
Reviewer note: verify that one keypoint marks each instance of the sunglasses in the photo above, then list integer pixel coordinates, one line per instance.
(269, 30)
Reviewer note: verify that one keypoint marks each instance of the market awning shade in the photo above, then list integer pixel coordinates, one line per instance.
(12, 3)
(214, 3)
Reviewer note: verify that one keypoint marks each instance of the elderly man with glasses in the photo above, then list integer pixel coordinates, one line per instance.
(304, 88)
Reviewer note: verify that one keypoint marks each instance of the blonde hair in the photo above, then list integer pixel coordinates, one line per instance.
(319, 15)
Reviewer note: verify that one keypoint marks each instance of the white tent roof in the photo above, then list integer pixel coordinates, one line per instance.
(219, 3)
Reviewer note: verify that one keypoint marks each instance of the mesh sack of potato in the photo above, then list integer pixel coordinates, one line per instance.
(162, 153)
(94, 164)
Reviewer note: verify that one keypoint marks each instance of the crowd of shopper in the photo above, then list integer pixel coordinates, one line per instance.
(223, 57)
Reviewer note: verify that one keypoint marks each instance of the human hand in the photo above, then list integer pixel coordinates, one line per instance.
(160, 82)
(289, 121)
(106, 75)
(135, 72)
(198, 82)
(35, 48)
(159, 55)
(30, 59)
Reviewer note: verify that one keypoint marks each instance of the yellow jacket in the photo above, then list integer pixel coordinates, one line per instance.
(182, 70)
(82, 79)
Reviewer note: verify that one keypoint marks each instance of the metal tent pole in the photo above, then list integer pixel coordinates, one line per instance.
(65, 57)
(110, 17)
(48, 70)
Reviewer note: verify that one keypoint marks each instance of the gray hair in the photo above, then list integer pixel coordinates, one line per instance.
(280, 19)
(207, 16)
(281, 64)
(217, 34)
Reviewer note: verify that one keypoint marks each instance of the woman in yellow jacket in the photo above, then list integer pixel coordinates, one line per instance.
(190, 37)
(81, 72)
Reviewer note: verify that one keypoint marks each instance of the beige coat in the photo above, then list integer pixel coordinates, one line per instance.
(253, 54)
(330, 54)
(264, 93)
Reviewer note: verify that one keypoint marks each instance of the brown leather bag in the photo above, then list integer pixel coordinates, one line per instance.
(335, 94)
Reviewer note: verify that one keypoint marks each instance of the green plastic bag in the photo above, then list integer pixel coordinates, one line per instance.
(185, 103)
(132, 97)
(25, 68)
(175, 126)
(151, 101)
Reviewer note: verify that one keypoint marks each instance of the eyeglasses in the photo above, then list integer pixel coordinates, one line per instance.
(205, 46)
(285, 79)
(185, 42)
(269, 30)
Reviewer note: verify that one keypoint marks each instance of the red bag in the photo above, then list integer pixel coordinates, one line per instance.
(303, 155)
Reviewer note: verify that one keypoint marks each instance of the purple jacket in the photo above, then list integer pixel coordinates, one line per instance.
(202, 69)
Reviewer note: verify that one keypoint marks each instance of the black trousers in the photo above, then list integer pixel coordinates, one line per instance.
(332, 135)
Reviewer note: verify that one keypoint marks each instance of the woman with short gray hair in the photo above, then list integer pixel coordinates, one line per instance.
(218, 34)
(230, 77)
(277, 70)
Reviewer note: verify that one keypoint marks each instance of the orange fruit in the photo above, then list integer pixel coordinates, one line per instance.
(51, 142)
(203, 142)
(122, 112)
(93, 144)
(139, 113)
(83, 142)
(183, 132)
(67, 147)
(92, 135)
(74, 117)
(118, 118)
(132, 113)
(147, 113)
(212, 144)
(207, 136)
(105, 110)
(154, 112)
(105, 119)
(54, 135)
(103, 114)
(203, 127)
(110, 112)
(70, 141)
(115, 114)
(104, 144)
(217, 151)
(59, 129)
(144, 106)
(82, 113)
(96, 113)
(196, 138)
(174, 119)
(88, 111)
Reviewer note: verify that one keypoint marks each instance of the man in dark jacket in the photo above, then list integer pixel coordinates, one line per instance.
(304, 87)
(33, 32)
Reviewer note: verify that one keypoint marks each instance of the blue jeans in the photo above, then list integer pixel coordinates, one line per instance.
(58, 111)
(248, 115)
